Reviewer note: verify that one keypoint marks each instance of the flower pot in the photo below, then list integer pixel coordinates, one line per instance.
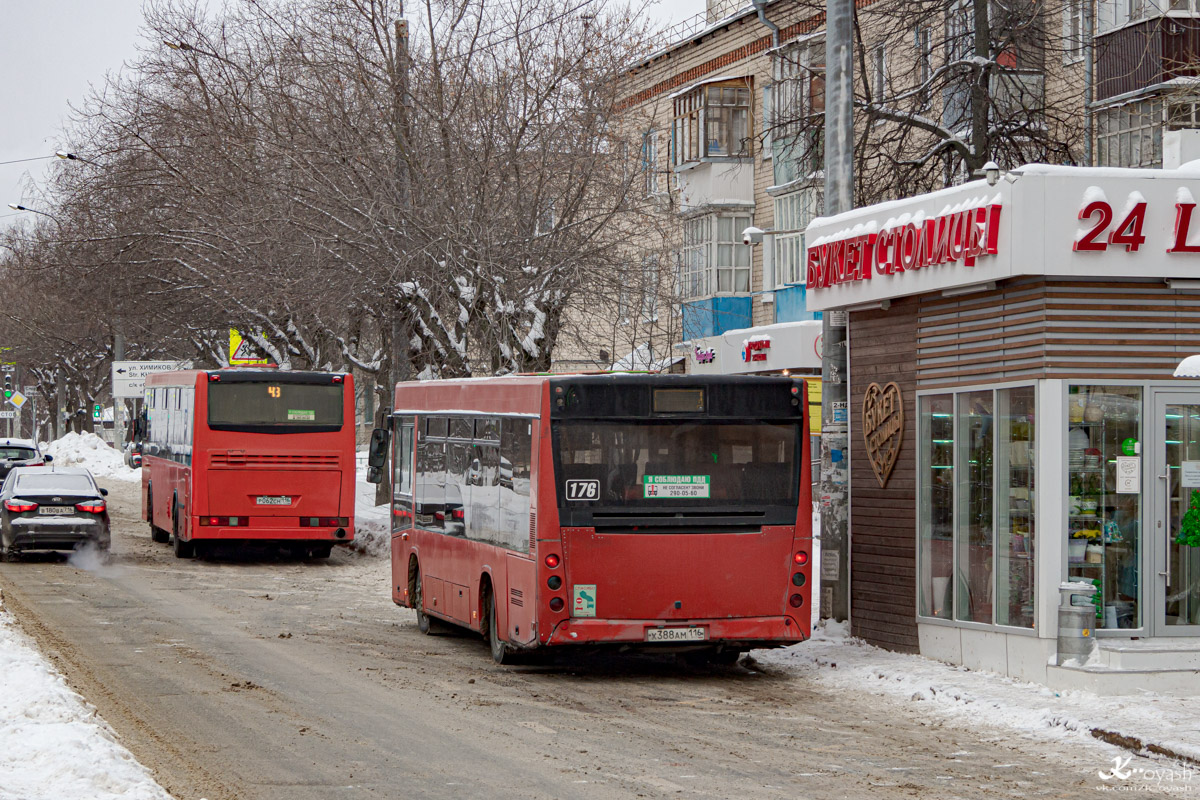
(1094, 554)
(1088, 506)
(1076, 549)
(1074, 504)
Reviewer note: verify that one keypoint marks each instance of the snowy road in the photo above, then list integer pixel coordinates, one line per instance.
(282, 679)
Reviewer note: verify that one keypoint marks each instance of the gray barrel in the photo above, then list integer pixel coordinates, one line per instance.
(1076, 621)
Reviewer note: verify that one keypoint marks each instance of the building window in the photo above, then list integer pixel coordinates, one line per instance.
(1073, 31)
(713, 121)
(1183, 113)
(1130, 135)
(713, 258)
(879, 73)
(799, 89)
(976, 511)
(649, 163)
(793, 212)
(922, 44)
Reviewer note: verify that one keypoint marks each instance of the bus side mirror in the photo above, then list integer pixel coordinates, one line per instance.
(377, 452)
(374, 474)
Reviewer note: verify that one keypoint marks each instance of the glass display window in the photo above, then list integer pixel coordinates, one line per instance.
(1103, 519)
(977, 506)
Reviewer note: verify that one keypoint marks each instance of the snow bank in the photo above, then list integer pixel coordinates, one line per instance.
(52, 743)
(974, 699)
(90, 451)
(372, 525)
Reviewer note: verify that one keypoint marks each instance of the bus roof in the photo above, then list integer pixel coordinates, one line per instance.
(189, 377)
(522, 394)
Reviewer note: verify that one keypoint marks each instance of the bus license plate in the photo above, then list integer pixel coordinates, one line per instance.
(676, 635)
(56, 511)
(274, 500)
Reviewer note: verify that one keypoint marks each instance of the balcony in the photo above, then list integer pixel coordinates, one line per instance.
(1146, 53)
(727, 183)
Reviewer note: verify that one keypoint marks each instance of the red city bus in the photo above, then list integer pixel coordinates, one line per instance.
(249, 454)
(658, 511)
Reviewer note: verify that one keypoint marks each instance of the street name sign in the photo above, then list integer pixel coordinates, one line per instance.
(129, 377)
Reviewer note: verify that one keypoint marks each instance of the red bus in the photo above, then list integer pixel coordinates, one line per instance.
(657, 511)
(235, 455)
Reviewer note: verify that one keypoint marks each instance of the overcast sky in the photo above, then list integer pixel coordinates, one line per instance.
(52, 50)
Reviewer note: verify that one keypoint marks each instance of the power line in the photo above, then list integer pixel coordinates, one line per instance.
(22, 160)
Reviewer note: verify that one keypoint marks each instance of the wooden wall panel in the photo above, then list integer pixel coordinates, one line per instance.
(882, 520)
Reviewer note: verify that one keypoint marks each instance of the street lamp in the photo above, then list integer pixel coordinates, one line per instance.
(19, 207)
(68, 156)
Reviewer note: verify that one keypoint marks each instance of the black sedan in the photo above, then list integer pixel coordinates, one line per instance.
(48, 508)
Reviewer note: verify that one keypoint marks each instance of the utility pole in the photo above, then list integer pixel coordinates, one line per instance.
(835, 418)
(60, 392)
(118, 402)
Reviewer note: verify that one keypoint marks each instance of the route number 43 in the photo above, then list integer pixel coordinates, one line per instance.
(1127, 232)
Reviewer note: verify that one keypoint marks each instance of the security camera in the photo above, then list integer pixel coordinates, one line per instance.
(752, 235)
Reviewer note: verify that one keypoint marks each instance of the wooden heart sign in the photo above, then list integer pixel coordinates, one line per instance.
(883, 428)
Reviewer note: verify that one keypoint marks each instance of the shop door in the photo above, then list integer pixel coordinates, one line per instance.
(1175, 574)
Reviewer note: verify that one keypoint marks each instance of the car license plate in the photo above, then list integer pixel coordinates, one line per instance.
(56, 511)
(676, 635)
(274, 500)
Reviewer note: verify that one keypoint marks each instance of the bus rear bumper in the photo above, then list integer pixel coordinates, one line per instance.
(739, 631)
(254, 532)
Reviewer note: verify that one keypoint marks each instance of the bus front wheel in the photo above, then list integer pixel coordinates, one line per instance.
(418, 603)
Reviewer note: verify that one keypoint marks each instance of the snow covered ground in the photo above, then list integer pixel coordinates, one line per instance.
(969, 699)
(52, 743)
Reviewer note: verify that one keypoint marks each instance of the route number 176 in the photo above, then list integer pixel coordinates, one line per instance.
(583, 490)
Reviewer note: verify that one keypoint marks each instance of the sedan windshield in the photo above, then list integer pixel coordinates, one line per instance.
(50, 482)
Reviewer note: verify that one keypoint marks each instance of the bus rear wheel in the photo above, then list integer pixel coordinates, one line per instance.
(501, 652)
(424, 625)
(182, 549)
(157, 534)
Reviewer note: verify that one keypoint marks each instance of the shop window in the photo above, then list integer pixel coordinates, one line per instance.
(1103, 525)
(977, 506)
(936, 546)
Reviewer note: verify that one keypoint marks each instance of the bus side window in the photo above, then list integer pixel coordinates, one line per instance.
(430, 486)
(516, 442)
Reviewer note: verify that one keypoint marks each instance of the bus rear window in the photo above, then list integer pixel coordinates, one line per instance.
(692, 464)
(270, 405)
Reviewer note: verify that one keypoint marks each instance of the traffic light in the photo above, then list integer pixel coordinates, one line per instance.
(8, 390)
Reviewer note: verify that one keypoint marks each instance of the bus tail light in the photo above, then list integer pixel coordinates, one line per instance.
(796, 600)
(556, 604)
(801, 558)
(552, 561)
(798, 579)
(324, 522)
(20, 506)
(337, 378)
(224, 522)
(94, 507)
(214, 377)
(554, 582)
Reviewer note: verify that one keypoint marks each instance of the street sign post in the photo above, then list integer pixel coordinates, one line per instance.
(129, 377)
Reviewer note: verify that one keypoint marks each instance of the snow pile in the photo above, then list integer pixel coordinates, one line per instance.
(91, 452)
(971, 699)
(372, 525)
(52, 744)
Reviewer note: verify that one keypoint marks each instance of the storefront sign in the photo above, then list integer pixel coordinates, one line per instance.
(704, 355)
(960, 236)
(756, 349)
(883, 428)
(1189, 474)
